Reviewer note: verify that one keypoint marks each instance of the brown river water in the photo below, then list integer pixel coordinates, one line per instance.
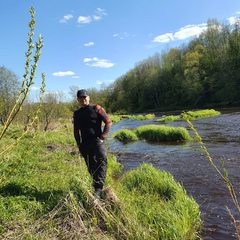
(189, 166)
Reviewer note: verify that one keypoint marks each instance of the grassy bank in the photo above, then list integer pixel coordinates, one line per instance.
(47, 194)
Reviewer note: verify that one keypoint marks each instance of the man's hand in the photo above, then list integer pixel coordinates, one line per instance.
(100, 139)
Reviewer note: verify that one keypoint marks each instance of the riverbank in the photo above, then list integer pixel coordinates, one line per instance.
(46, 193)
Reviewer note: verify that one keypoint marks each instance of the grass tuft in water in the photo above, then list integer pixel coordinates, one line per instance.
(125, 135)
(192, 115)
(162, 133)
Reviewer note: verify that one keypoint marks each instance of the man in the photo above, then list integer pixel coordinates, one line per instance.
(90, 137)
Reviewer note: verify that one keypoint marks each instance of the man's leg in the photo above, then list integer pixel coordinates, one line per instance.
(99, 167)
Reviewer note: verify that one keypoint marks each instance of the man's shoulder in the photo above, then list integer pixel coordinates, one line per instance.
(76, 111)
(95, 106)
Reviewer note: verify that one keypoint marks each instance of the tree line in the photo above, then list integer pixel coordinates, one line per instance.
(203, 73)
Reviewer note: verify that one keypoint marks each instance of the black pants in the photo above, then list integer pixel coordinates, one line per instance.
(95, 155)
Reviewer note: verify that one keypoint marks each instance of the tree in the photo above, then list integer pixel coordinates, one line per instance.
(9, 88)
(53, 109)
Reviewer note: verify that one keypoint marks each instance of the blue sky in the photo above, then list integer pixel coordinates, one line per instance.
(91, 42)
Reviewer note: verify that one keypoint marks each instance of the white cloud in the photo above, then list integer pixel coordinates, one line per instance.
(99, 14)
(104, 82)
(96, 62)
(63, 74)
(190, 31)
(97, 18)
(234, 20)
(83, 19)
(89, 44)
(164, 38)
(101, 11)
(121, 35)
(75, 77)
(99, 82)
(231, 20)
(182, 33)
(35, 88)
(66, 18)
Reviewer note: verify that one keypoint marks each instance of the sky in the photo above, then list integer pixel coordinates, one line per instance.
(91, 43)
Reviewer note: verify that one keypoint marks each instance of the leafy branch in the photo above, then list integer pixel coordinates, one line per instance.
(30, 71)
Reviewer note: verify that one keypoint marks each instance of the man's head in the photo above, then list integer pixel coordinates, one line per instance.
(83, 97)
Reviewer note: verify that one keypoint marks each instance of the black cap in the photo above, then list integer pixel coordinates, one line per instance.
(82, 93)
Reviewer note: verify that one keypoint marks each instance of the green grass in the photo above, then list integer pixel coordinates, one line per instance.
(163, 207)
(139, 117)
(192, 115)
(115, 118)
(151, 132)
(47, 194)
(168, 119)
(125, 135)
(118, 118)
(162, 133)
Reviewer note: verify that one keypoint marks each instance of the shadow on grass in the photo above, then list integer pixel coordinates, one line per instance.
(31, 192)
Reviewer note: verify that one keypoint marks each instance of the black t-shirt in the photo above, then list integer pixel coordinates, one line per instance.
(88, 122)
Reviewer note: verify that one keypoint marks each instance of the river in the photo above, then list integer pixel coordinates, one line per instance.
(189, 165)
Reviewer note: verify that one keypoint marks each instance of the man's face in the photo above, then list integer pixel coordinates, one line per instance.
(83, 101)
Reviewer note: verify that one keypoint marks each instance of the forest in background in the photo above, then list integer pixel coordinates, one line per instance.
(200, 74)
(203, 73)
